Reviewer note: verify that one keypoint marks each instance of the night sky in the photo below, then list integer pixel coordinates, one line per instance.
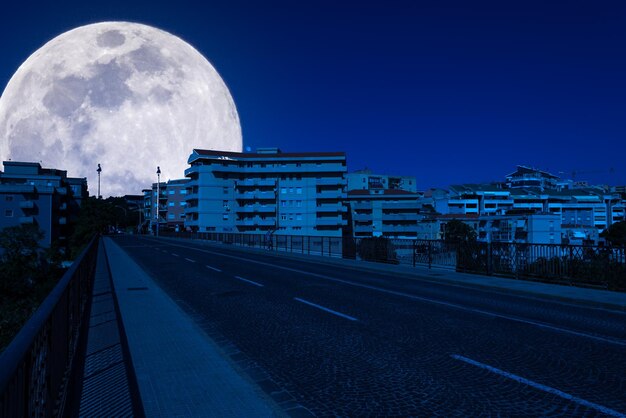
(450, 92)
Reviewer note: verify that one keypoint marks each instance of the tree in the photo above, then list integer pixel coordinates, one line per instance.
(615, 234)
(20, 260)
(459, 231)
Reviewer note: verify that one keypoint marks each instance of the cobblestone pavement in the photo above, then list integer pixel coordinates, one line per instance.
(348, 342)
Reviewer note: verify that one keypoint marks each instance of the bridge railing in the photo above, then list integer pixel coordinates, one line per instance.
(36, 368)
(599, 266)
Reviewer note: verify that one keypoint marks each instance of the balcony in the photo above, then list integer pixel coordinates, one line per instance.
(331, 207)
(399, 228)
(330, 194)
(406, 217)
(363, 228)
(27, 204)
(257, 183)
(361, 205)
(331, 221)
(402, 205)
(330, 181)
(362, 217)
(256, 208)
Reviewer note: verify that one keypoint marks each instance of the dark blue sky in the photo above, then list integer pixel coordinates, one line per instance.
(451, 92)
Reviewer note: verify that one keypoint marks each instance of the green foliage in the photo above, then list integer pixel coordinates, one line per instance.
(378, 249)
(459, 231)
(98, 216)
(616, 234)
(20, 260)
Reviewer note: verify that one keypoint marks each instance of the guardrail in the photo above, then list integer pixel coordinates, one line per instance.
(36, 368)
(598, 266)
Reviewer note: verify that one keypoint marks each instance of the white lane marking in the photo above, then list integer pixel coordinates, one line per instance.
(351, 318)
(539, 386)
(214, 268)
(249, 281)
(190, 260)
(423, 299)
(175, 255)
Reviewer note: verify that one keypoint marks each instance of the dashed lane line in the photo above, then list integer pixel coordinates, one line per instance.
(190, 260)
(323, 308)
(539, 386)
(175, 255)
(214, 269)
(248, 281)
(618, 342)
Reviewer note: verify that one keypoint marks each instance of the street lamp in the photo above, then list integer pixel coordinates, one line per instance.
(99, 170)
(158, 197)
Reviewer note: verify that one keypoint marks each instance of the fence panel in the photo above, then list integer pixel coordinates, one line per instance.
(36, 367)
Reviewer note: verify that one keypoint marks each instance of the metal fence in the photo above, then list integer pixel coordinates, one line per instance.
(599, 266)
(36, 368)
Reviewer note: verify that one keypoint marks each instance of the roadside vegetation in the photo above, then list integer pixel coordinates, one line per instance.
(28, 272)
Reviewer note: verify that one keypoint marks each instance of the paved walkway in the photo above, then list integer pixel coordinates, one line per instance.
(180, 371)
(572, 294)
(108, 388)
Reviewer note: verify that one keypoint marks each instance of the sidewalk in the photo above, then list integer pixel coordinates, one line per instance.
(577, 295)
(180, 371)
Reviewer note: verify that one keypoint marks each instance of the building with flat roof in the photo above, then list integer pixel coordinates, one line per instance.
(266, 191)
(46, 197)
(171, 204)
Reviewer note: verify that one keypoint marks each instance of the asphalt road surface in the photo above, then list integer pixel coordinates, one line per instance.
(350, 342)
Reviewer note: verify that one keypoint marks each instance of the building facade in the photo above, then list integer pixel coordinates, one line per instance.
(47, 198)
(171, 205)
(266, 191)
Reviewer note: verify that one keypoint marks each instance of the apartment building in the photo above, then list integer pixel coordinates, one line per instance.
(46, 197)
(171, 204)
(266, 191)
(365, 180)
(540, 228)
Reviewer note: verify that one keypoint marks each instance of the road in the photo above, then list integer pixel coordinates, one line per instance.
(348, 341)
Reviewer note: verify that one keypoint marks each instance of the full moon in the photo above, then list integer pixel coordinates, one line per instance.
(124, 95)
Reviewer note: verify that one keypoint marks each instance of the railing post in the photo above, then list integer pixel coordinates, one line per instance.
(414, 251)
(430, 254)
(309, 244)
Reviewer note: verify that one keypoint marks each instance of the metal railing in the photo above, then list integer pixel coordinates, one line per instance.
(599, 266)
(36, 368)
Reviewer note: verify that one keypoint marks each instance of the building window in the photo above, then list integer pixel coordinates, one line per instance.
(8, 213)
(291, 190)
(283, 203)
(298, 164)
(171, 204)
(170, 216)
(183, 203)
(299, 203)
(283, 190)
(291, 216)
(225, 216)
(225, 203)
(225, 190)
(298, 190)
(183, 191)
(298, 216)
(210, 228)
(297, 228)
(172, 191)
(283, 217)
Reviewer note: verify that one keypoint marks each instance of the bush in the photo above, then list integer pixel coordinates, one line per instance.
(379, 249)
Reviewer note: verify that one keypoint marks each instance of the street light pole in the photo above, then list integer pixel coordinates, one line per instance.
(99, 170)
(158, 198)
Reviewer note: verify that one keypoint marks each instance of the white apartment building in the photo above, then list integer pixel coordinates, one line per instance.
(266, 191)
(383, 205)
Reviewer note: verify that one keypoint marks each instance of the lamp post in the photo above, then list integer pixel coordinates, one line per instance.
(158, 197)
(99, 170)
